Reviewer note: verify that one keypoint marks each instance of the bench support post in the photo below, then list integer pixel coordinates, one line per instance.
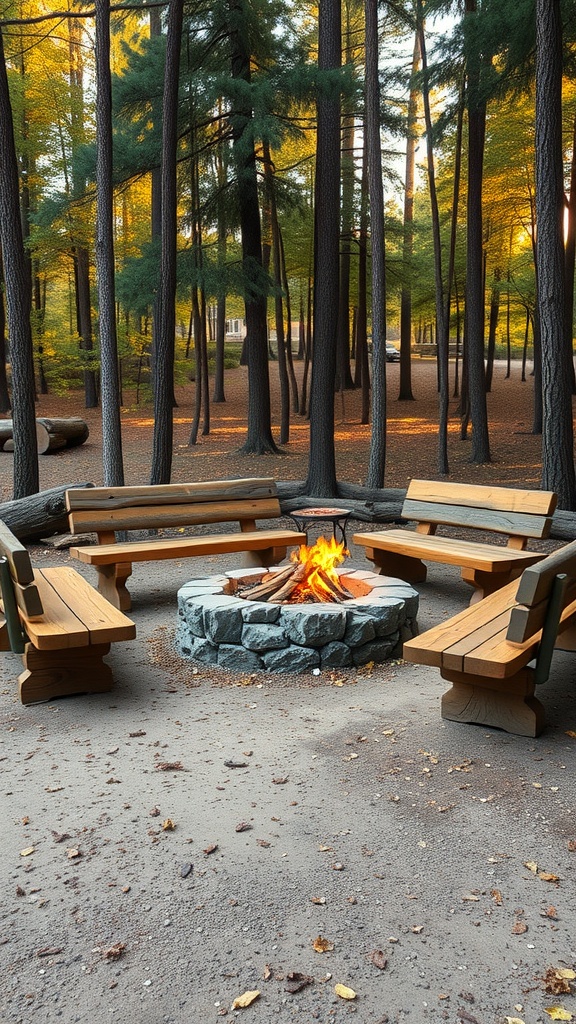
(60, 673)
(265, 557)
(507, 704)
(402, 567)
(112, 584)
(486, 583)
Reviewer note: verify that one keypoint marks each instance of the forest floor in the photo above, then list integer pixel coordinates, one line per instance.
(147, 881)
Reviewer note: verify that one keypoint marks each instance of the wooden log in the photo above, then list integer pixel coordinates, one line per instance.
(51, 434)
(38, 515)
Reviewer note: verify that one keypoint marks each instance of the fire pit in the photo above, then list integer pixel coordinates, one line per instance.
(296, 617)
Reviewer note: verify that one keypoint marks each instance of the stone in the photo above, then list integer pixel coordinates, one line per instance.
(376, 651)
(359, 628)
(384, 611)
(223, 618)
(335, 655)
(291, 659)
(315, 625)
(204, 651)
(260, 611)
(194, 616)
(263, 636)
(238, 658)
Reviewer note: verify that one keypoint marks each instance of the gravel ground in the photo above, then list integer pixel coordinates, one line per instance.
(192, 835)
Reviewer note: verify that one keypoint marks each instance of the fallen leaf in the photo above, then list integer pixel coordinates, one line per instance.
(53, 789)
(20, 891)
(378, 958)
(114, 952)
(296, 981)
(496, 896)
(245, 999)
(263, 842)
(558, 1013)
(210, 849)
(514, 1020)
(417, 928)
(324, 849)
(531, 865)
(27, 851)
(322, 945)
(236, 764)
(168, 825)
(550, 912)
(547, 876)
(345, 993)
(319, 900)
(571, 844)
(73, 853)
(154, 813)
(519, 927)
(557, 981)
(243, 826)
(60, 837)
(170, 766)
(281, 780)
(139, 732)
(470, 898)
(570, 732)
(267, 972)
(49, 951)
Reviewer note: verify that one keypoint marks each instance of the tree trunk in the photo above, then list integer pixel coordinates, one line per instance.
(163, 433)
(474, 264)
(18, 298)
(111, 424)
(492, 326)
(405, 388)
(259, 440)
(558, 434)
(321, 480)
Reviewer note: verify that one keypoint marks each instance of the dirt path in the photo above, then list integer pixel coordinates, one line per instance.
(191, 835)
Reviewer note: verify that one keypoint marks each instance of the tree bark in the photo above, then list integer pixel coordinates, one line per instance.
(557, 433)
(377, 454)
(40, 514)
(166, 319)
(405, 387)
(113, 467)
(322, 461)
(18, 297)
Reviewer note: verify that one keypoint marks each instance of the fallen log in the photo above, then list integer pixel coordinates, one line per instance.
(38, 515)
(51, 434)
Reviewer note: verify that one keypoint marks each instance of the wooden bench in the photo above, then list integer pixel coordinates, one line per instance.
(59, 624)
(486, 652)
(106, 510)
(518, 514)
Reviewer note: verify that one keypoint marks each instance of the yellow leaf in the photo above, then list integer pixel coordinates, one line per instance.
(514, 1020)
(558, 1013)
(565, 972)
(546, 876)
(570, 732)
(245, 999)
(27, 851)
(168, 825)
(344, 992)
(531, 865)
(322, 945)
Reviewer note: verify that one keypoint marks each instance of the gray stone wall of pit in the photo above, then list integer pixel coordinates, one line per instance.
(217, 627)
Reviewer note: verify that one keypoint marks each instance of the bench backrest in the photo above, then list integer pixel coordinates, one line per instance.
(103, 510)
(17, 589)
(512, 511)
(536, 588)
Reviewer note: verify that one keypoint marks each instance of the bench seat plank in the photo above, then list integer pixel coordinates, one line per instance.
(448, 550)
(74, 613)
(180, 547)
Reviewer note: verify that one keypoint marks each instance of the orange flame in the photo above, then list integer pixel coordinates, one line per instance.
(318, 560)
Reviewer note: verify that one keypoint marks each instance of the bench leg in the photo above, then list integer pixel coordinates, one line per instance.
(112, 584)
(264, 557)
(50, 674)
(402, 567)
(486, 583)
(507, 704)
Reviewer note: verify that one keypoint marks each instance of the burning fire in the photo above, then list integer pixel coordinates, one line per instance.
(318, 567)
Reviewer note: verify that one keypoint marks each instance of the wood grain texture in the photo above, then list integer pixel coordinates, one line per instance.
(481, 496)
(181, 547)
(447, 550)
(536, 584)
(503, 521)
(17, 556)
(92, 498)
(160, 516)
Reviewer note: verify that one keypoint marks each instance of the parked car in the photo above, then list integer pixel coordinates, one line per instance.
(392, 353)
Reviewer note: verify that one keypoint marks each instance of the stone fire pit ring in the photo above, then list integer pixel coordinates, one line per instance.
(218, 627)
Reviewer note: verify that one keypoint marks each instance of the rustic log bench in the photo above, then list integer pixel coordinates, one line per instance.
(106, 510)
(60, 625)
(487, 650)
(519, 514)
